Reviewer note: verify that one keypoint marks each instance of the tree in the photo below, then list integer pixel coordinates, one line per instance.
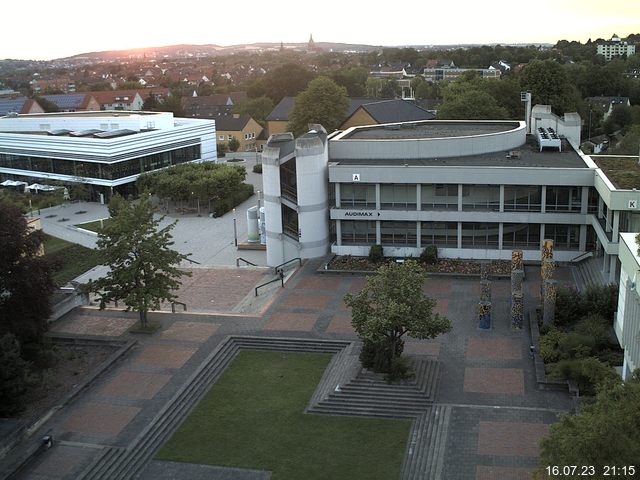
(391, 305)
(548, 83)
(143, 269)
(604, 433)
(257, 108)
(14, 376)
(630, 143)
(234, 144)
(354, 79)
(25, 278)
(468, 98)
(285, 81)
(323, 102)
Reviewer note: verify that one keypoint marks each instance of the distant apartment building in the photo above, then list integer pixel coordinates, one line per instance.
(438, 74)
(615, 48)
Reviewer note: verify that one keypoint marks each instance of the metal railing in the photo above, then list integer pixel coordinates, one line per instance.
(173, 306)
(192, 261)
(582, 256)
(280, 268)
(245, 261)
(280, 279)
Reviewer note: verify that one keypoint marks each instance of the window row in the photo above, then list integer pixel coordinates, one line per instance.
(107, 171)
(517, 198)
(445, 234)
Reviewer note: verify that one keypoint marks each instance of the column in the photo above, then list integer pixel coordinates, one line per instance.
(500, 233)
(616, 225)
(600, 207)
(584, 204)
(543, 200)
(549, 302)
(418, 236)
(418, 197)
(459, 234)
(378, 233)
(339, 233)
(378, 197)
(501, 198)
(337, 195)
(609, 222)
(459, 197)
(613, 264)
(583, 238)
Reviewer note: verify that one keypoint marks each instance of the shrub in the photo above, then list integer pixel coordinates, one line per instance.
(588, 373)
(595, 326)
(14, 376)
(376, 254)
(570, 306)
(575, 345)
(601, 299)
(429, 255)
(377, 356)
(257, 168)
(549, 342)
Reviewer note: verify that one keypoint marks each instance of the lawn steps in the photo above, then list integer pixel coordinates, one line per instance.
(424, 457)
(368, 394)
(116, 463)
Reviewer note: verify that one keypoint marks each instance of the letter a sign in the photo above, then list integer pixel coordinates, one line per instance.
(356, 177)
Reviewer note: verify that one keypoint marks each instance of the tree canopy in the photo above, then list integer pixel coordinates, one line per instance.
(391, 305)
(25, 278)
(549, 85)
(604, 433)
(143, 269)
(470, 97)
(257, 108)
(323, 102)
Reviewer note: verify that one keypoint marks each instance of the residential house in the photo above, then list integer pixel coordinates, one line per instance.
(386, 111)
(19, 105)
(607, 104)
(119, 100)
(74, 102)
(211, 106)
(244, 128)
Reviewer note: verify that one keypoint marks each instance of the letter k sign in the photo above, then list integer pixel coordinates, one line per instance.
(633, 204)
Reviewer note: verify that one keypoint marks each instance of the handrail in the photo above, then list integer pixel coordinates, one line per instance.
(277, 267)
(579, 257)
(173, 306)
(192, 261)
(280, 278)
(245, 261)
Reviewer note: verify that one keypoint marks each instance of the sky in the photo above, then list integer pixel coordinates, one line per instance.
(45, 30)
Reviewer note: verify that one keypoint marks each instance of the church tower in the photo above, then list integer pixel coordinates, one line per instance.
(312, 45)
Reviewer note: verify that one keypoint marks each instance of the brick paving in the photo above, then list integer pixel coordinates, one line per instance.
(135, 385)
(498, 414)
(494, 380)
(101, 419)
(510, 438)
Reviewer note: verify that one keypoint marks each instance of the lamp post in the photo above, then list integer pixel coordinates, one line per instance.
(235, 229)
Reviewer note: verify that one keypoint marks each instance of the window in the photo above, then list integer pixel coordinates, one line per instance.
(481, 197)
(563, 199)
(354, 195)
(441, 234)
(479, 235)
(522, 198)
(520, 235)
(433, 198)
(398, 233)
(229, 137)
(398, 196)
(221, 138)
(358, 232)
(565, 237)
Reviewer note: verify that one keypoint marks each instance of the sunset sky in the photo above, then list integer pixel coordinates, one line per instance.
(46, 30)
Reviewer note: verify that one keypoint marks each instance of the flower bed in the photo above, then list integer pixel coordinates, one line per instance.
(444, 265)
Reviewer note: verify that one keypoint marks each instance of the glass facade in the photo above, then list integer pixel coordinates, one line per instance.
(398, 234)
(520, 235)
(101, 170)
(439, 197)
(565, 237)
(481, 197)
(353, 195)
(358, 232)
(563, 199)
(522, 198)
(397, 197)
(480, 235)
(441, 234)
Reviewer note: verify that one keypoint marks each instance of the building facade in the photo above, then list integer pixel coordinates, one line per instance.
(615, 48)
(105, 150)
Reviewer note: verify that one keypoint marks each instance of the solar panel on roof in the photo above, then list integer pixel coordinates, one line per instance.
(65, 101)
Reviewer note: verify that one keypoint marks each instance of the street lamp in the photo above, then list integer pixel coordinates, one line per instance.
(235, 229)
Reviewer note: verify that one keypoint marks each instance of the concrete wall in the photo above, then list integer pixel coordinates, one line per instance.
(627, 321)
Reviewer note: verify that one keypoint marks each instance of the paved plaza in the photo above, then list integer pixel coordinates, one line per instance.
(487, 378)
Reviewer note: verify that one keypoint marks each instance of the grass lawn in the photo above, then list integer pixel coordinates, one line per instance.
(253, 418)
(93, 226)
(71, 259)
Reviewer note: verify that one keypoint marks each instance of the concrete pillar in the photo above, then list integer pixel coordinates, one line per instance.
(613, 264)
(584, 201)
(608, 225)
(459, 197)
(485, 290)
(543, 199)
(459, 234)
(616, 225)
(338, 200)
(549, 302)
(600, 207)
(583, 238)
(418, 234)
(517, 309)
(517, 276)
(378, 233)
(418, 197)
(377, 197)
(517, 260)
(501, 198)
(484, 315)
(500, 234)
(339, 232)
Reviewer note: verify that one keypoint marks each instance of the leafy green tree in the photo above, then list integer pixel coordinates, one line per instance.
(143, 269)
(354, 79)
(322, 102)
(257, 108)
(630, 143)
(468, 98)
(285, 81)
(47, 105)
(548, 83)
(374, 87)
(151, 104)
(25, 278)
(233, 144)
(620, 118)
(604, 433)
(391, 305)
(14, 376)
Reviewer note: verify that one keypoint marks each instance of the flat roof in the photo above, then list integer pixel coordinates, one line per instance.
(527, 155)
(623, 171)
(97, 113)
(428, 129)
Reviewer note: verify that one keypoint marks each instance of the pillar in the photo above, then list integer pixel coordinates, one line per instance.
(517, 309)
(485, 291)
(484, 315)
(549, 302)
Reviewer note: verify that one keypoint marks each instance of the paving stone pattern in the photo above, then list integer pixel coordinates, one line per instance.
(486, 417)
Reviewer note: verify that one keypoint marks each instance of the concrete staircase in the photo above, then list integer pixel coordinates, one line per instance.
(368, 394)
(424, 458)
(588, 273)
(116, 463)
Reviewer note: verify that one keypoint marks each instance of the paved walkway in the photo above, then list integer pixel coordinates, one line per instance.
(498, 414)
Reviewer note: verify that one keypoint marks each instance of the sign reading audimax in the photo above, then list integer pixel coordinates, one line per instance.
(360, 213)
